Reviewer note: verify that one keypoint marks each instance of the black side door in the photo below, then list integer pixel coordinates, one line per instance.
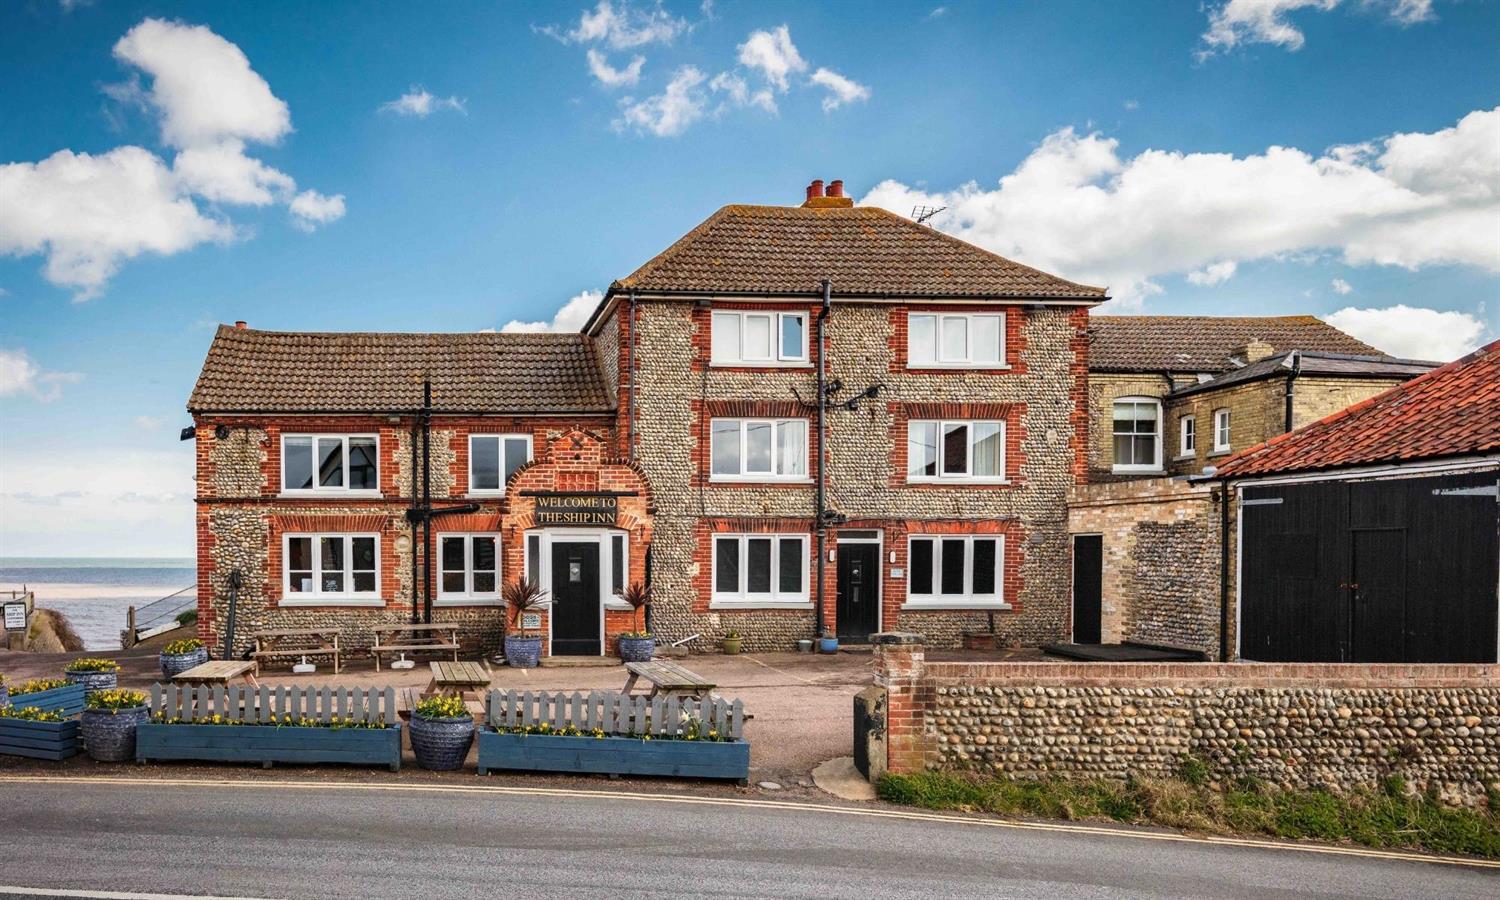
(1088, 567)
(575, 599)
(858, 609)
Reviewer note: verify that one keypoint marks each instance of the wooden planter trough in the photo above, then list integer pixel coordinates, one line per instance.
(39, 740)
(258, 740)
(67, 701)
(638, 735)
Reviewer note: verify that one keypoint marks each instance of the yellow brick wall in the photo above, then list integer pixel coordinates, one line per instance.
(1104, 389)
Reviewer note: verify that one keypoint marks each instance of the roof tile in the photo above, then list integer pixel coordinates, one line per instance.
(1206, 343)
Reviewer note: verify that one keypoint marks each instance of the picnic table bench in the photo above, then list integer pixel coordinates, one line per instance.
(220, 671)
(407, 699)
(275, 644)
(466, 679)
(669, 679)
(414, 638)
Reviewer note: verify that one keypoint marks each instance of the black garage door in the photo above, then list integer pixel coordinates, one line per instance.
(1402, 570)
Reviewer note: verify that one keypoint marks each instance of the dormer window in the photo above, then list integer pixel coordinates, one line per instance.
(330, 463)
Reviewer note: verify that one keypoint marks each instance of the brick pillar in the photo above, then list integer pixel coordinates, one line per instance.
(899, 665)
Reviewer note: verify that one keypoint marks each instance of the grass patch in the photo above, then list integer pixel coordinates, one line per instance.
(1389, 818)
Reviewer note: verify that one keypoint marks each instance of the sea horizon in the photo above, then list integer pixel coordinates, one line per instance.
(94, 592)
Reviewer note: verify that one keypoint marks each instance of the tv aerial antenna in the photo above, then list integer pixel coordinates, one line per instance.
(921, 214)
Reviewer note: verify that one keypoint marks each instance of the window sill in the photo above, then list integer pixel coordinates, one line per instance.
(760, 604)
(330, 600)
(1184, 457)
(954, 482)
(485, 495)
(949, 367)
(1137, 470)
(754, 479)
(330, 495)
(467, 601)
(760, 364)
(919, 605)
(1217, 452)
(617, 605)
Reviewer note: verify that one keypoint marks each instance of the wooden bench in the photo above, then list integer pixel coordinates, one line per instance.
(221, 671)
(468, 680)
(668, 679)
(274, 644)
(408, 698)
(414, 638)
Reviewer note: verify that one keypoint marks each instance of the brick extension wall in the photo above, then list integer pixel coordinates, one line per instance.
(1295, 726)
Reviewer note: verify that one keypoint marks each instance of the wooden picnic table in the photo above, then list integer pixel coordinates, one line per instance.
(467, 679)
(220, 671)
(418, 637)
(277, 643)
(668, 678)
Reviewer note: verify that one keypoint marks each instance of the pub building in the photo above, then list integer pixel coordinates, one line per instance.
(794, 421)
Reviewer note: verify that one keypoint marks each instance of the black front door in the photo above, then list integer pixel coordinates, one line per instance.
(575, 599)
(858, 609)
(1088, 561)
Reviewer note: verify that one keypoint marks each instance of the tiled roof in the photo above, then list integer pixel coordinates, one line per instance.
(1451, 411)
(864, 250)
(280, 371)
(1328, 365)
(1205, 343)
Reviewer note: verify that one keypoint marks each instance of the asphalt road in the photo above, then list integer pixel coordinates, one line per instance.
(318, 840)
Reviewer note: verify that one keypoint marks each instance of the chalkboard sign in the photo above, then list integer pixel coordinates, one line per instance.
(15, 617)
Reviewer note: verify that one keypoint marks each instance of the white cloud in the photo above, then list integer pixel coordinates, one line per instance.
(310, 209)
(1213, 274)
(1238, 22)
(774, 54)
(1412, 332)
(90, 213)
(609, 76)
(1410, 200)
(20, 375)
(1340, 286)
(671, 112)
(570, 318)
(1131, 105)
(149, 423)
(622, 26)
(841, 90)
(739, 93)
(421, 103)
(937, 12)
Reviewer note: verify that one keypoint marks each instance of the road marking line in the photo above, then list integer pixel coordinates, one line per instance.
(17, 890)
(688, 800)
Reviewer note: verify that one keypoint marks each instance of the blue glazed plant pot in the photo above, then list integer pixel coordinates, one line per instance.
(637, 649)
(4, 696)
(93, 681)
(523, 651)
(441, 744)
(828, 645)
(174, 664)
(109, 735)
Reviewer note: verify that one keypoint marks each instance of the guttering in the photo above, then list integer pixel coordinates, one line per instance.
(630, 366)
(822, 484)
(404, 413)
(1291, 379)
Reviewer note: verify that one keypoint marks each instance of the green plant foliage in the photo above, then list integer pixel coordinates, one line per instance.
(442, 706)
(1389, 817)
(92, 664)
(30, 714)
(37, 685)
(186, 645)
(187, 617)
(276, 721)
(115, 700)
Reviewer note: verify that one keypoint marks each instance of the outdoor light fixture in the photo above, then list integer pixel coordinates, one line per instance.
(221, 431)
(187, 433)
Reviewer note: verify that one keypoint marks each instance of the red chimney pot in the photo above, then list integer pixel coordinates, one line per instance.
(836, 188)
(240, 323)
(815, 189)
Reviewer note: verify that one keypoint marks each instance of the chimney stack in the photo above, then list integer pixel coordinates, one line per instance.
(815, 189)
(836, 187)
(833, 199)
(240, 324)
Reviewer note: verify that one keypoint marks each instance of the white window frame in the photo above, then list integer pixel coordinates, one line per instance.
(966, 476)
(541, 557)
(968, 599)
(1222, 426)
(968, 361)
(502, 438)
(468, 596)
(316, 490)
(1136, 467)
(803, 477)
(775, 598)
(1187, 436)
(776, 358)
(348, 597)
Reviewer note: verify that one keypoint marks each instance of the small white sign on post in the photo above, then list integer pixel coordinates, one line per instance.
(15, 617)
(531, 621)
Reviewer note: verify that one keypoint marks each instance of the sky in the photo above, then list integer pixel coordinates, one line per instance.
(453, 166)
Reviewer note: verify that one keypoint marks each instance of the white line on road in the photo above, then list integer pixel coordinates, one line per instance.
(12, 890)
(917, 816)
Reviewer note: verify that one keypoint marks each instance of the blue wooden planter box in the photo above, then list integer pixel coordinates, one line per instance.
(613, 755)
(39, 740)
(267, 744)
(65, 700)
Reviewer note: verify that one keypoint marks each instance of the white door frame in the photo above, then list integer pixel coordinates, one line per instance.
(601, 536)
(879, 541)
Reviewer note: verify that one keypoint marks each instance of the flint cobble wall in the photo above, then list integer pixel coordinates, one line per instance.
(1307, 726)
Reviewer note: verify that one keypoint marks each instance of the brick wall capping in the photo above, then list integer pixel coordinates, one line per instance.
(1310, 676)
(896, 637)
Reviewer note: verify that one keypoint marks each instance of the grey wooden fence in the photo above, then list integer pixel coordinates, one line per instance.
(245, 703)
(616, 713)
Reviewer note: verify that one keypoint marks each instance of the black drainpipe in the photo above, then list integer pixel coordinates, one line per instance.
(1223, 571)
(416, 435)
(630, 366)
(427, 501)
(822, 492)
(1290, 390)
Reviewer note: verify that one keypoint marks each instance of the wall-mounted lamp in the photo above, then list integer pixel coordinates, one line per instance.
(221, 432)
(893, 556)
(833, 554)
(187, 433)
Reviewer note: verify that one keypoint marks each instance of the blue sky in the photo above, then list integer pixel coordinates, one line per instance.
(164, 167)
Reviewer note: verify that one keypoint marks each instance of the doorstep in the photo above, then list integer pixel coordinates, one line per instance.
(579, 662)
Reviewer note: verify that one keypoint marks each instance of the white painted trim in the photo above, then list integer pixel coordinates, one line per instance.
(964, 477)
(468, 596)
(1224, 413)
(500, 472)
(968, 599)
(563, 535)
(771, 477)
(776, 357)
(1183, 450)
(1161, 427)
(343, 491)
(318, 598)
(968, 362)
(1239, 568)
(880, 571)
(742, 598)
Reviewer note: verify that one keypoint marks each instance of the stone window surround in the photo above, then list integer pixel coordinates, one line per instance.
(342, 492)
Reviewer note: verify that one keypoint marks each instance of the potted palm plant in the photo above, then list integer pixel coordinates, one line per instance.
(93, 673)
(638, 645)
(441, 731)
(109, 722)
(522, 649)
(179, 656)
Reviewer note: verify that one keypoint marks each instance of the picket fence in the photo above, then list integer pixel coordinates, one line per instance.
(251, 705)
(615, 713)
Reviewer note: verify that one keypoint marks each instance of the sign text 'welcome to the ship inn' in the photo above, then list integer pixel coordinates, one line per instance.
(576, 509)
